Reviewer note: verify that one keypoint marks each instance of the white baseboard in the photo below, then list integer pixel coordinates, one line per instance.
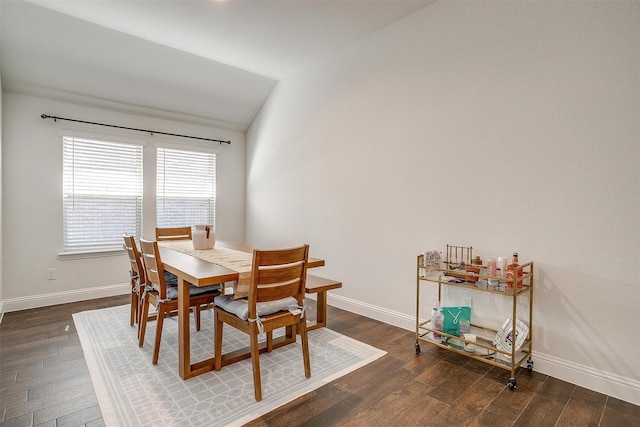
(604, 382)
(607, 383)
(54, 298)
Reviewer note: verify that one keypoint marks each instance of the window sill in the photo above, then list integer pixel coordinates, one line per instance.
(65, 256)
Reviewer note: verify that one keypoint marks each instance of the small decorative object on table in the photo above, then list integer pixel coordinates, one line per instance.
(203, 237)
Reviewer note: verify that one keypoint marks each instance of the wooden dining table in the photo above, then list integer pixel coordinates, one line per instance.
(227, 262)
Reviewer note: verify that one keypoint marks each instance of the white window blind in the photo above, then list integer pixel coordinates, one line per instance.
(102, 193)
(186, 188)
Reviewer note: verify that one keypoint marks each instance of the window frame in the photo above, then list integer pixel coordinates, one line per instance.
(69, 253)
(186, 146)
(149, 177)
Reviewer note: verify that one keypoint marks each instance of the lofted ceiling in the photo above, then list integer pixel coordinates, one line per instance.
(209, 61)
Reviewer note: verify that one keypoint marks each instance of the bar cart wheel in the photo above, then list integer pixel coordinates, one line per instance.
(417, 348)
(530, 365)
(512, 384)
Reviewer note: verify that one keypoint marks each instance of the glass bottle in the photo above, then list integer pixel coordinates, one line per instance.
(510, 271)
(437, 322)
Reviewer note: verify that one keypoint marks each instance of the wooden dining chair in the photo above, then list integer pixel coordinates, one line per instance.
(136, 276)
(173, 233)
(275, 300)
(165, 297)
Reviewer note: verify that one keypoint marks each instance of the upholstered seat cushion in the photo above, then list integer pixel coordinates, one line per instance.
(170, 279)
(240, 307)
(172, 291)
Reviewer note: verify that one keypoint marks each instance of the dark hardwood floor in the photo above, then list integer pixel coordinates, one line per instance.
(44, 381)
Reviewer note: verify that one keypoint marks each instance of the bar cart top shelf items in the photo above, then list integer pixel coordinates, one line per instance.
(508, 347)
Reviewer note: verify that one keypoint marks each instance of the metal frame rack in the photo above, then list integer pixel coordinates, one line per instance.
(485, 350)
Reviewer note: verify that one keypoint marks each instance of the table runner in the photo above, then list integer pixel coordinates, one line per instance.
(229, 258)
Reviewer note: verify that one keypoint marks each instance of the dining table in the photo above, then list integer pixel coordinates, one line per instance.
(226, 263)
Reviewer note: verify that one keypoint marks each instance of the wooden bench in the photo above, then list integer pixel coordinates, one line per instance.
(319, 286)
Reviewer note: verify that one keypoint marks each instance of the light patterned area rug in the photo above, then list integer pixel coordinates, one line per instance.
(133, 392)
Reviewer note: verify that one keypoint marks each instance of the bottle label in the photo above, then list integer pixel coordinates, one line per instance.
(510, 277)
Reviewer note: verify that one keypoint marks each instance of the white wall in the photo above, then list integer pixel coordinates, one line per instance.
(502, 125)
(32, 202)
(1, 237)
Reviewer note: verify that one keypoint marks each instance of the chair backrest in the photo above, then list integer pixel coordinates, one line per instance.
(137, 269)
(173, 233)
(153, 266)
(277, 274)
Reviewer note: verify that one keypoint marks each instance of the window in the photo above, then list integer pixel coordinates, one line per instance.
(186, 187)
(102, 193)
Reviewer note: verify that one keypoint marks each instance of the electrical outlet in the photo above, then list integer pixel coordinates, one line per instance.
(51, 273)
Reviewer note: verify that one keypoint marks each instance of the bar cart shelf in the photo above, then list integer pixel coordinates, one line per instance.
(439, 273)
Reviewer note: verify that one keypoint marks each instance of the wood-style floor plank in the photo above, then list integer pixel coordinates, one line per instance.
(474, 400)
(540, 412)
(44, 382)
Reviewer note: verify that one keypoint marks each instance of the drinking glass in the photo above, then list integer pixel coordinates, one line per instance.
(502, 264)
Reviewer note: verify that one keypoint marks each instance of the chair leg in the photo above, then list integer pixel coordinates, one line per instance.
(139, 312)
(159, 322)
(144, 317)
(255, 361)
(302, 327)
(134, 309)
(196, 314)
(269, 341)
(217, 342)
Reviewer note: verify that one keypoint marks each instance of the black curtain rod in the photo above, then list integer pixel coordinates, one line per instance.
(44, 116)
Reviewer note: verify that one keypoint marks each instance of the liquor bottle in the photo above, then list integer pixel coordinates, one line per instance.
(510, 271)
